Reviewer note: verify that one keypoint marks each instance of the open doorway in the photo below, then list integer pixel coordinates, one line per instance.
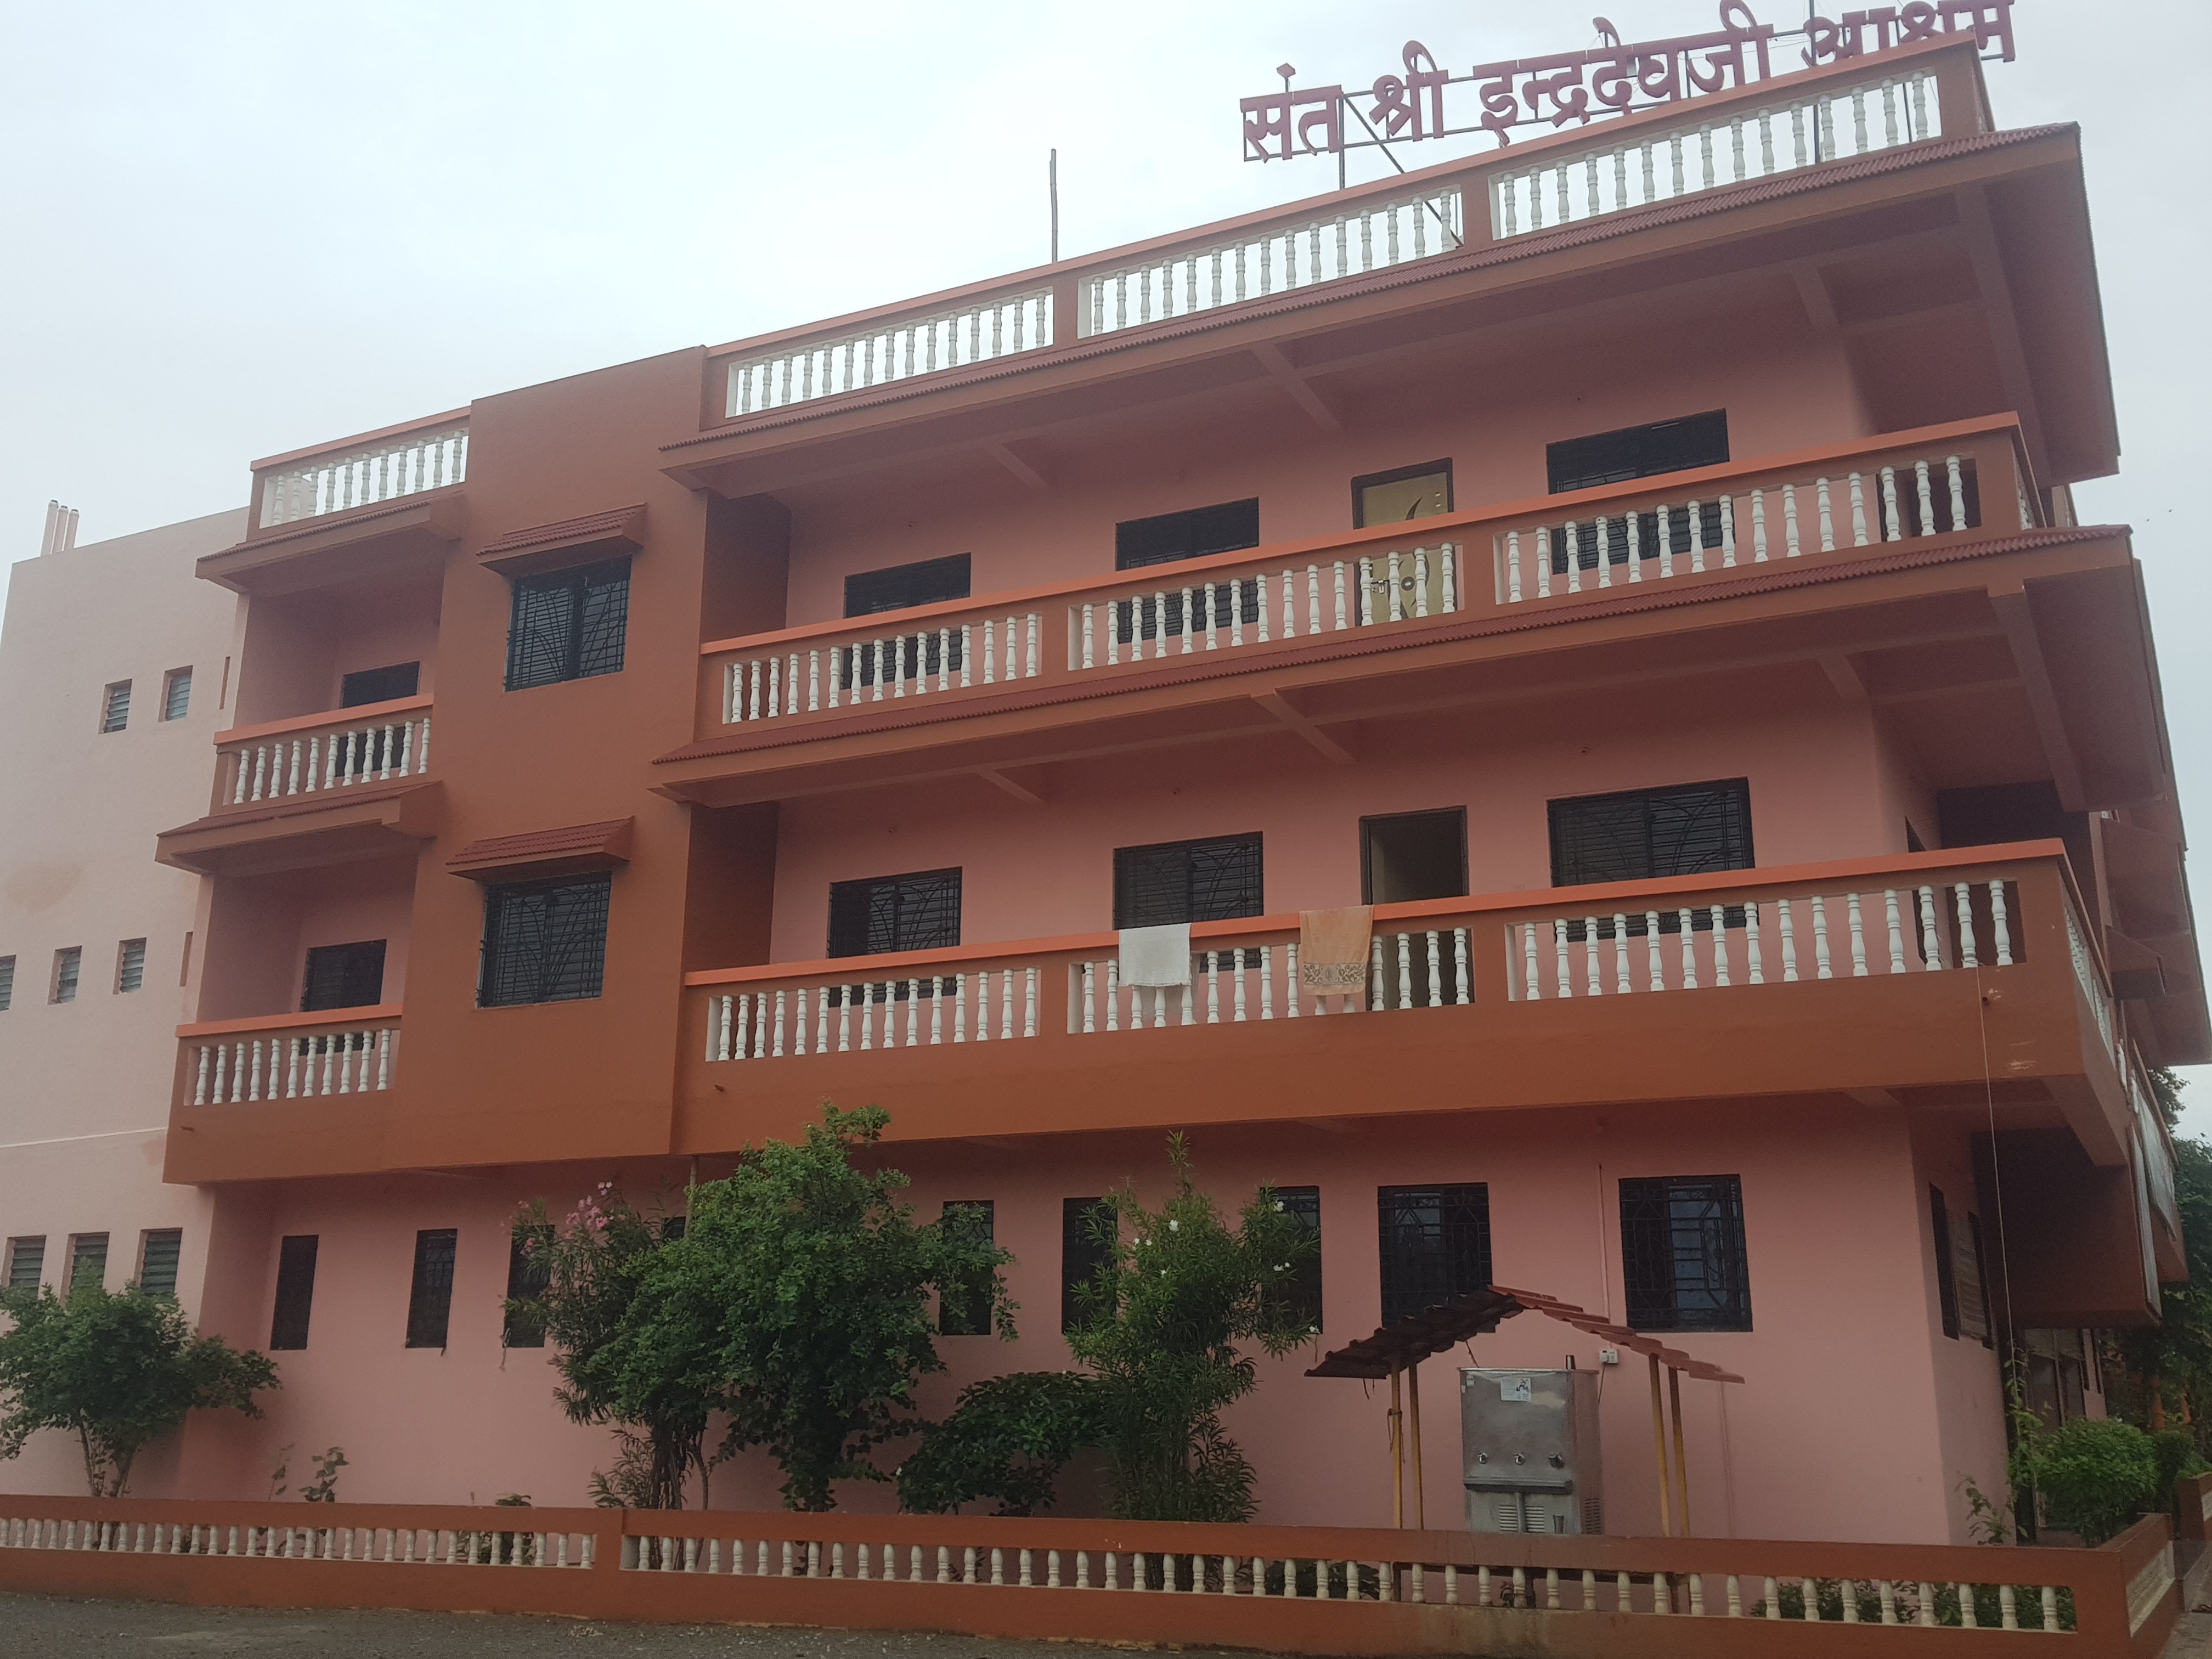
(1413, 855)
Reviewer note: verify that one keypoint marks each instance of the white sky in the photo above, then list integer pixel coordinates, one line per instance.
(234, 229)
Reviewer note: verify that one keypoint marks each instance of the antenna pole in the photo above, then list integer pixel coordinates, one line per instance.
(1052, 179)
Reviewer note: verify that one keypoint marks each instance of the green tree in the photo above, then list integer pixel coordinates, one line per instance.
(654, 1381)
(1008, 1439)
(117, 1371)
(1160, 1329)
(2167, 1367)
(809, 1283)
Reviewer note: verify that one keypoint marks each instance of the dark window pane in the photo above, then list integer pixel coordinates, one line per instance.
(296, 1291)
(1188, 535)
(919, 911)
(1691, 829)
(1304, 1297)
(1682, 1254)
(544, 941)
(26, 1260)
(344, 976)
(964, 1308)
(527, 1276)
(1087, 1230)
(1638, 452)
(1435, 1244)
(157, 1262)
(430, 1297)
(902, 587)
(1216, 880)
(568, 625)
(1947, 1278)
(369, 685)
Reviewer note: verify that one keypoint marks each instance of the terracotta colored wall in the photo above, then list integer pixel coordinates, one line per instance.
(261, 929)
(299, 646)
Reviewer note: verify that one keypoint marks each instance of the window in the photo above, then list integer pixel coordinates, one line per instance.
(401, 680)
(7, 983)
(902, 586)
(1682, 1254)
(68, 965)
(1413, 855)
(1188, 535)
(88, 1263)
(176, 694)
(1213, 880)
(964, 1308)
(1088, 1228)
(26, 1260)
(1966, 1273)
(544, 941)
(1638, 452)
(1305, 1298)
(1435, 1244)
(528, 1273)
(295, 1291)
(1411, 492)
(158, 1251)
(568, 625)
(915, 912)
(115, 706)
(344, 976)
(130, 964)
(1947, 1282)
(1691, 829)
(431, 1298)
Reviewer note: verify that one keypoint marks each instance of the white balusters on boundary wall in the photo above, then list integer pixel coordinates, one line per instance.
(383, 472)
(1003, 326)
(1798, 132)
(1427, 968)
(991, 652)
(1274, 259)
(1400, 586)
(271, 768)
(288, 1066)
(1706, 945)
(428, 1546)
(980, 1005)
(1934, 496)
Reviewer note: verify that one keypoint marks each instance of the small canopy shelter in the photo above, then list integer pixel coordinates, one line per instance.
(1396, 1350)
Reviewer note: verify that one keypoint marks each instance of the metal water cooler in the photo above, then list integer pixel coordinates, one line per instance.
(1529, 1443)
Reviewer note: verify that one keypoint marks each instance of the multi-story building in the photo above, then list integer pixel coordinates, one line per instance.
(1640, 564)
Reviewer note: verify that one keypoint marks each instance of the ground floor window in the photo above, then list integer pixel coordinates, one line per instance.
(1682, 1254)
(1435, 1244)
(430, 1297)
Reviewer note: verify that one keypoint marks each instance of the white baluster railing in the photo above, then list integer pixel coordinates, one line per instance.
(840, 1014)
(910, 662)
(1424, 969)
(292, 1064)
(345, 753)
(383, 471)
(1712, 151)
(901, 348)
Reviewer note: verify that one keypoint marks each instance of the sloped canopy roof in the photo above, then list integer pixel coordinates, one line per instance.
(1403, 1342)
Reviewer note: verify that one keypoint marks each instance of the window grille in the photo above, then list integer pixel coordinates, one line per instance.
(544, 941)
(1303, 1298)
(130, 964)
(1215, 880)
(918, 911)
(7, 983)
(1191, 534)
(430, 1297)
(1682, 1254)
(529, 1271)
(26, 1260)
(569, 625)
(115, 706)
(296, 1291)
(87, 1260)
(344, 976)
(963, 1307)
(1088, 1229)
(177, 693)
(1690, 830)
(1435, 1244)
(1407, 492)
(69, 965)
(902, 587)
(158, 1254)
(367, 685)
(1638, 452)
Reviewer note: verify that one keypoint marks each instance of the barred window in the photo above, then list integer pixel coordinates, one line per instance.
(902, 587)
(1192, 534)
(296, 1291)
(1088, 1228)
(1304, 1295)
(918, 911)
(1637, 451)
(529, 1271)
(544, 941)
(344, 976)
(964, 1308)
(1435, 1244)
(1639, 835)
(1682, 1254)
(159, 1251)
(430, 1297)
(1215, 880)
(568, 625)
(367, 685)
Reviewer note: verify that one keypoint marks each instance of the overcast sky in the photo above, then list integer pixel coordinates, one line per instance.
(235, 230)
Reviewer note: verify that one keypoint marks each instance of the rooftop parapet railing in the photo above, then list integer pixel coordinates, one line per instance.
(376, 468)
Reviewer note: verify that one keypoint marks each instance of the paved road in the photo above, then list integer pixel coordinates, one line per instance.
(50, 1627)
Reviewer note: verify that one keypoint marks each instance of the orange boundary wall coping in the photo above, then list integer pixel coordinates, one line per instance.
(286, 1023)
(359, 712)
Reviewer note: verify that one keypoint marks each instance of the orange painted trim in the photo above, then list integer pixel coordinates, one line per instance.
(337, 445)
(1596, 897)
(292, 1021)
(1565, 505)
(366, 711)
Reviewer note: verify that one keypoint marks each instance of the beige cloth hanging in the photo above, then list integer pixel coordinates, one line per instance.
(1332, 948)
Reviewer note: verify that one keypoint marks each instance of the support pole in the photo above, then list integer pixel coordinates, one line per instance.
(1414, 1446)
(1397, 1457)
(1659, 1450)
(1681, 1456)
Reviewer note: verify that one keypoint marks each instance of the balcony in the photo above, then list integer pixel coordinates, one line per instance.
(279, 1083)
(323, 788)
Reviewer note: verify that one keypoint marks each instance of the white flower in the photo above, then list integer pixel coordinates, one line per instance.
(1174, 1227)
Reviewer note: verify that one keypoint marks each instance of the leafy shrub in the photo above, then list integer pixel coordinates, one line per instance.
(1006, 1439)
(2096, 1475)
